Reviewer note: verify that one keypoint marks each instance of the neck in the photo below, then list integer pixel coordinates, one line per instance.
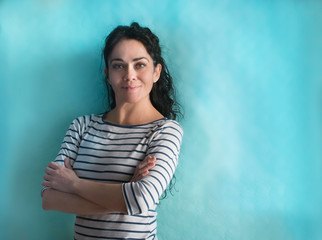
(133, 114)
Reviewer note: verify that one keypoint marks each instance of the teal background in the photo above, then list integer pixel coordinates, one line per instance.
(248, 74)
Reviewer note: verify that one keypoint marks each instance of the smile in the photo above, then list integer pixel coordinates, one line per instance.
(130, 88)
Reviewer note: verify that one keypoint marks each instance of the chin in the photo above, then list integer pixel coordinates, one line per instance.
(132, 100)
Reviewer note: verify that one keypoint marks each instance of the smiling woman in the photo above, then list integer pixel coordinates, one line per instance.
(132, 75)
(112, 168)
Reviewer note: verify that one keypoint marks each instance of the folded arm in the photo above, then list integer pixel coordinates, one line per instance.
(69, 203)
(84, 196)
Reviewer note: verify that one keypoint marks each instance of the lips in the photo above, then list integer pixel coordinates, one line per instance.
(131, 88)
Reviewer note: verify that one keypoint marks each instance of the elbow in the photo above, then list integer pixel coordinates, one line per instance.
(139, 199)
(45, 200)
(45, 205)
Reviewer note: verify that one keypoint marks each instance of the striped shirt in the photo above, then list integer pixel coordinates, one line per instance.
(107, 152)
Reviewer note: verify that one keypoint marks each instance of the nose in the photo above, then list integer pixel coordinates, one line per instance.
(130, 74)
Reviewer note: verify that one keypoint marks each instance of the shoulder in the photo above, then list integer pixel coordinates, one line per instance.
(168, 135)
(169, 123)
(84, 120)
(81, 123)
(169, 126)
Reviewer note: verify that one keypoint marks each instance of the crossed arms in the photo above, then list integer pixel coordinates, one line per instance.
(68, 193)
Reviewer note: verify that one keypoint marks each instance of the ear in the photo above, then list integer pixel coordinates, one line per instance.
(157, 72)
(106, 73)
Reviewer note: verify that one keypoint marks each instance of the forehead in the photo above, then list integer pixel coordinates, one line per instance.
(128, 49)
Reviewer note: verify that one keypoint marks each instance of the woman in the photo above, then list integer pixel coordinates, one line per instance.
(112, 168)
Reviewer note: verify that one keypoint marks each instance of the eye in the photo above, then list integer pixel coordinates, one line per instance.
(140, 65)
(117, 66)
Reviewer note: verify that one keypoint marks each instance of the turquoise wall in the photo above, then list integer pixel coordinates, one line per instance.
(248, 75)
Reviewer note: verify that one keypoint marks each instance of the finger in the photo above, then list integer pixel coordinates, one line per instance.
(145, 174)
(49, 171)
(142, 164)
(45, 184)
(144, 171)
(47, 177)
(53, 165)
(67, 163)
(153, 159)
(152, 164)
(138, 177)
(142, 175)
(147, 167)
(146, 161)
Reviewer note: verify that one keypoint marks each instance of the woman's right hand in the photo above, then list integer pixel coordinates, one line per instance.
(142, 169)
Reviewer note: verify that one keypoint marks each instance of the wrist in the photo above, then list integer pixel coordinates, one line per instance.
(76, 186)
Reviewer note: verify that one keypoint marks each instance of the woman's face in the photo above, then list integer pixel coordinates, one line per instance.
(131, 72)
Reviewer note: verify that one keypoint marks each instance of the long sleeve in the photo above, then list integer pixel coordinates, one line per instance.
(70, 145)
(165, 145)
(71, 142)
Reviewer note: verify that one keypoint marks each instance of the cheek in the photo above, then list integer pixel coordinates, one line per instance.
(113, 78)
(111, 75)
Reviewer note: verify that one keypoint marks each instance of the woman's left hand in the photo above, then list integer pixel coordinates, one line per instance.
(142, 169)
(59, 177)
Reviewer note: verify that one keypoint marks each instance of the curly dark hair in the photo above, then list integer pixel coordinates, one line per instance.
(162, 95)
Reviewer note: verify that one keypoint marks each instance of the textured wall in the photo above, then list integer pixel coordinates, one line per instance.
(248, 74)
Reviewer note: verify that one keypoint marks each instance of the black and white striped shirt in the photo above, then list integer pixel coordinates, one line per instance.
(107, 152)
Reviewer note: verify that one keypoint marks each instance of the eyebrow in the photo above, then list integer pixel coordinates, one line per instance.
(134, 60)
